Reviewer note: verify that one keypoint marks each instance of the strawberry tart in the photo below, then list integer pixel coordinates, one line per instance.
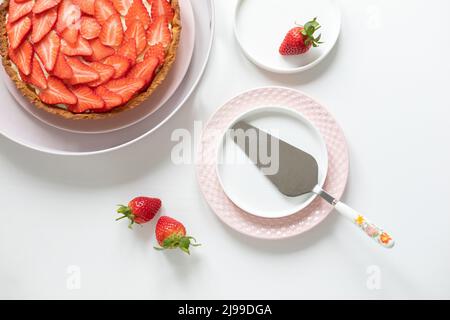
(88, 59)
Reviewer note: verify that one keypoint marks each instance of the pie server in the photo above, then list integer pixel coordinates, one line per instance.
(297, 174)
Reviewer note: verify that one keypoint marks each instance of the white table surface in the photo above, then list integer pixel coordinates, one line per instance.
(387, 83)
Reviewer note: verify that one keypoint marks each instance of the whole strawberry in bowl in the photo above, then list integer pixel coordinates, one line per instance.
(139, 210)
(300, 39)
(171, 234)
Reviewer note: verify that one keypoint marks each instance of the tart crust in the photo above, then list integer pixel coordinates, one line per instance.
(30, 93)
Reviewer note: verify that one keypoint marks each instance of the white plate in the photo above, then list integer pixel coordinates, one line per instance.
(261, 25)
(23, 128)
(246, 185)
(130, 117)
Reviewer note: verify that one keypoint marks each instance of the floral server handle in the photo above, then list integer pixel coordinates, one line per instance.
(373, 231)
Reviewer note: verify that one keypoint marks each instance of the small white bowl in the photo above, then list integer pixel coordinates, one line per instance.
(245, 185)
(261, 25)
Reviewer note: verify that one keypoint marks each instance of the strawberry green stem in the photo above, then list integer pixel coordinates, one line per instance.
(178, 241)
(308, 31)
(126, 213)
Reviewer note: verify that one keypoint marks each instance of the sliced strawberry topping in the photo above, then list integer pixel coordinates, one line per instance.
(137, 11)
(68, 13)
(119, 63)
(42, 24)
(122, 6)
(44, 5)
(57, 93)
(82, 73)
(103, 10)
(112, 32)
(90, 28)
(81, 48)
(86, 6)
(159, 32)
(99, 51)
(17, 31)
(157, 51)
(136, 31)
(67, 33)
(87, 100)
(111, 99)
(128, 50)
(18, 10)
(22, 56)
(125, 87)
(48, 49)
(105, 71)
(145, 70)
(70, 34)
(62, 68)
(37, 76)
(162, 8)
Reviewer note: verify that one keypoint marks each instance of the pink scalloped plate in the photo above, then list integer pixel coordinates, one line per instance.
(271, 228)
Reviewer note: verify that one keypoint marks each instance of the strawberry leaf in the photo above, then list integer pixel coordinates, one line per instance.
(308, 31)
(178, 241)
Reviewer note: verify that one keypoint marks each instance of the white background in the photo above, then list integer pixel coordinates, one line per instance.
(387, 82)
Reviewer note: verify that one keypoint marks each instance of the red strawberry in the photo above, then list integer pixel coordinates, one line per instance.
(20, 1)
(87, 100)
(99, 51)
(62, 69)
(111, 99)
(136, 31)
(300, 39)
(137, 11)
(68, 13)
(82, 73)
(112, 32)
(125, 87)
(145, 70)
(47, 50)
(119, 63)
(44, 5)
(90, 28)
(103, 10)
(105, 71)
(22, 57)
(157, 51)
(18, 10)
(140, 210)
(162, 8)
(159, 32)
(122, 6)
(37, 76)
(17, 31)
(57, 93)
(128, 50)
(86, 6)
(70, 34)
(42, 24)
(171, 234)
(81, 48)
